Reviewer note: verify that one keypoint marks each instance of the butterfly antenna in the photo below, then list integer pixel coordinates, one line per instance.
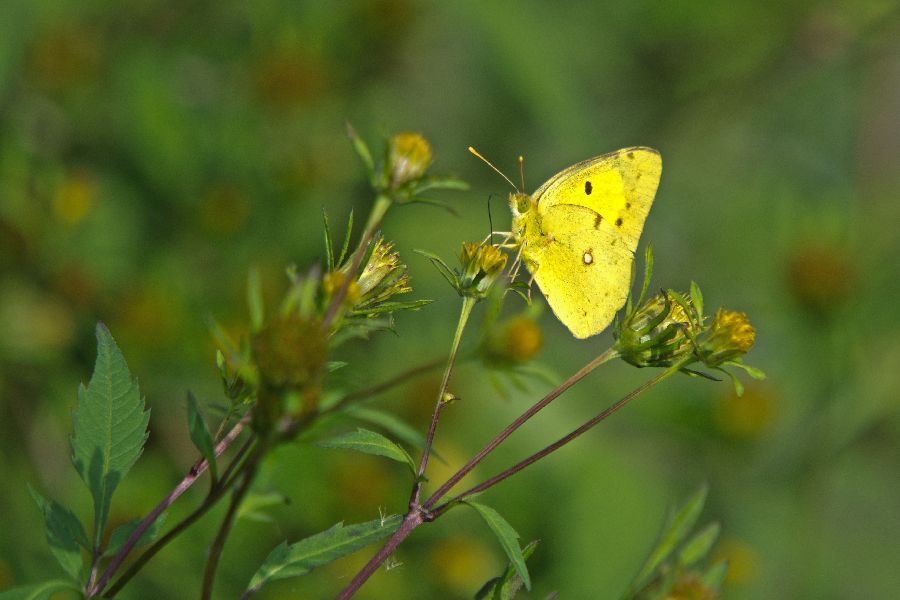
(490, 219)
(522, 170)
(498, 171)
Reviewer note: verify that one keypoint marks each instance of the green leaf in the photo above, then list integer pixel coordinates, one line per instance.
(200, 435)
(442, 267)
(391, 423)
(255, 301)
(389, 307)
(65, 534)
(346, 246)
(362, 150)
(678, 527)
(109, 427)
(40, 591)
(294, 560)
(697, 297)
(508, 538)
(329, 245)
(715, 575)
(121, 534)
(369, 442)
(648, 273)
(436, 203)
(334, 365)
(506, 586)
(254, 504)
(698, 546)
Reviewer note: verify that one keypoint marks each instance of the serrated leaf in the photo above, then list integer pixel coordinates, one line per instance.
(65, 534)
(508, 538)
(200, 435)
(299, 558)
(506, 586)
(109, 427)
(369, 442)
(391, 423)
(698, 546)
(678, 527)
(121, 534)
(39, 591)
(255, 301)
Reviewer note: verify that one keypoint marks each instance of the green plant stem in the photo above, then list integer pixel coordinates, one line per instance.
(382, 204)
(419, 514)
(363, 394)
(603, 415)
(606, 356)
(218, 545)
(466, 310)
(193, 475)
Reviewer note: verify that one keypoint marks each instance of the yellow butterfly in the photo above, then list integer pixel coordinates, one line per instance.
(578, 232)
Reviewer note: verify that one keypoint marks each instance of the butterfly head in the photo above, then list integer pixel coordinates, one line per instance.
(520, 203)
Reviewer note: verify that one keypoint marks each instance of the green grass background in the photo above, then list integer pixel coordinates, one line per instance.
(151, 152)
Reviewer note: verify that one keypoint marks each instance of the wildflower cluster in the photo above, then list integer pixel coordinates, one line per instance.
(670, 328)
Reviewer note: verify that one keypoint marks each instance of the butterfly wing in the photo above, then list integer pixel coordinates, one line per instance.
(590, 219)
(619, 186)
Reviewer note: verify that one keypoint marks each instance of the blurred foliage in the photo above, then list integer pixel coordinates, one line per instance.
(151, 152)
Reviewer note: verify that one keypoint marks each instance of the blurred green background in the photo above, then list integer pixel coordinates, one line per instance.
(151, 152)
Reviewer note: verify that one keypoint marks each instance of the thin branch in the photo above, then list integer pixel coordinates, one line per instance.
(218, 545)
(193, 475)
(380, 388)
(466, 310)
(606, 413)
(509, 429)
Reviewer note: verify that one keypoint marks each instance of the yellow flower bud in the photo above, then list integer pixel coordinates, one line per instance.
(729, 337)
(517, 341)
(482, 265)
(409, 156)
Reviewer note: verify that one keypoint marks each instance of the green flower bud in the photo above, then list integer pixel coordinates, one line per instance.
(482, 265)
(290, 356)
(729, 336)
(408, 157)
(658, 333)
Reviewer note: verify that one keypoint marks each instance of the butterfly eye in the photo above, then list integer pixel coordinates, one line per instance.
(523, 203)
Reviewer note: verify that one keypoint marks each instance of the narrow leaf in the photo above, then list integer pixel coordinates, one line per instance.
(255, 300)
(346, 246)
(254, 505)
(436, 203)
(362, 150)
(506, 586)
(369, 442)
(294, 560)
(676, 530)
(715, 575)
(329, 245)
(121, 534)
(648, 273)
(109, 427)
(334, 365)
(508, 538)
(39, 591)
(200, 435)
(697, 297)
(65, 534)
(698, 546)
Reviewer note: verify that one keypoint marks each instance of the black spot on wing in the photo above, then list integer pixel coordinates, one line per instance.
(619, 222)
(597, 220)
(630, 155)
(628, 205)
